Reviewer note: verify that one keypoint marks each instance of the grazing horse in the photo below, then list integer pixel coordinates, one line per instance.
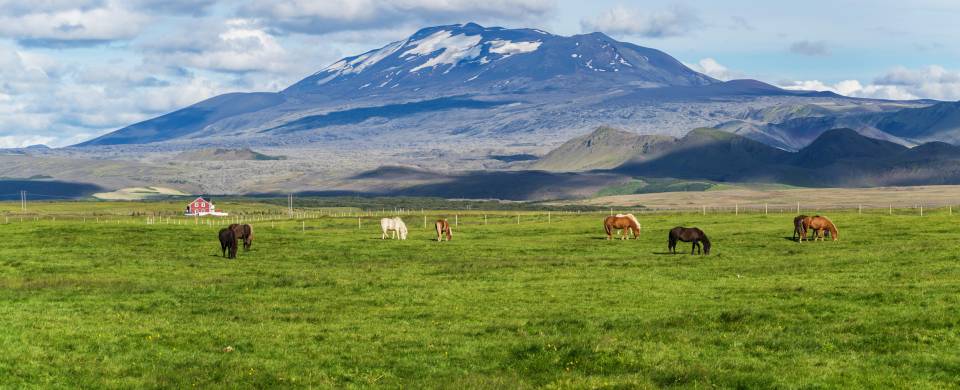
(624, 224)
(694, 235)
(443, 228)
(800, 224)
(228, 241)
(819, 224)
(243, 232)
(393, 225)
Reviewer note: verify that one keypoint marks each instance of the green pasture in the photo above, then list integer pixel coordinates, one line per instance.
(127, 300)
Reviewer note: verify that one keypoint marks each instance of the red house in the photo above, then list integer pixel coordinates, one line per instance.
(200, 206)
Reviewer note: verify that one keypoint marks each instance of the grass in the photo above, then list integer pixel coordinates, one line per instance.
(318, 303)
(652, 185)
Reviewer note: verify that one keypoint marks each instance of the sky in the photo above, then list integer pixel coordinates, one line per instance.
(71, 70)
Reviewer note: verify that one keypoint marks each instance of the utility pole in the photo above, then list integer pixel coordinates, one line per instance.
(290, 204)
(23, 200)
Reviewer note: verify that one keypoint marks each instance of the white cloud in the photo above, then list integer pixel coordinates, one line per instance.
(712, 68)
(322, 17)
(9, 141)
(60, 24)
(620, 20)
(931, 82)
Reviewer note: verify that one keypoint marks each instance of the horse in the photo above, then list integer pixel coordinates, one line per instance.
(694, 235)
(443, 228)
(819, 224)
(624, 223)
(800, 224)
(243, 232)
(228, 241)
(393, 225)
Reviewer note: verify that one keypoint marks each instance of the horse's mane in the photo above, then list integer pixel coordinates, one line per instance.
(631, 217)
(833, 225)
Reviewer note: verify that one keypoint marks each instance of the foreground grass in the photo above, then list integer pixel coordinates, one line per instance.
(325, 305)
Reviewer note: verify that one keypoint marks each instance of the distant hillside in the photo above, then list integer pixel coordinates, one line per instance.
(838, 158)
(603, 148)
(217, 154)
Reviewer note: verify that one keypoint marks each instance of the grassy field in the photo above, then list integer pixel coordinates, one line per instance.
(321, 303)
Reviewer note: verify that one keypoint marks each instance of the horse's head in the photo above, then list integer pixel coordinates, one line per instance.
(706, 245)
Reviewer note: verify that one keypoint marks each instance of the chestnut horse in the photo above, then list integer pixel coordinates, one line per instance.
(800, 224)
(243, 232)
(819, 224)
(694, 235)
(228, 241)
(623, 223)
(443, 228)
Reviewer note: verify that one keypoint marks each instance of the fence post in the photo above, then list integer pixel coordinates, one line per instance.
(518, 219)
(484, 219)
(921, 210)
(358, 222)
(456, 220)
(303, 227)
(798, 208)
(860, 209)
(891, 209)
(736, 209)
(766, 208)
(424, 221)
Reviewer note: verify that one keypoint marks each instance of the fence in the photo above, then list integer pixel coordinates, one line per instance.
(425, 218)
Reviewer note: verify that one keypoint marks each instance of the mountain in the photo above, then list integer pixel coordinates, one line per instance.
(839, 144)
(469, 58)
(604, 148)
(476, 105)
(791, 127)
(838, 157)
(450, 84)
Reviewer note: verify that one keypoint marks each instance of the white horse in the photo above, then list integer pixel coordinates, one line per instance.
(393, 225)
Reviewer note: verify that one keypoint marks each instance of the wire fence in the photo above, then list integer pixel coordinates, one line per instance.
(425, 218)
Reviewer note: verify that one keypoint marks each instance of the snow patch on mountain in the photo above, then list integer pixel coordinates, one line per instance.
(361, 62)
(454, 49)
(508, 48)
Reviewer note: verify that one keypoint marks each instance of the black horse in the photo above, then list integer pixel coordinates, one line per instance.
(799, 229)
(694, 235)
(228, 241)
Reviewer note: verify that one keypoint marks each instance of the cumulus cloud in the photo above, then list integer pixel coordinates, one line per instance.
(712, 68)
(65, 24)
(237, 45)
(810, 48)
(322, 17)
(931, 82)
(620, 20)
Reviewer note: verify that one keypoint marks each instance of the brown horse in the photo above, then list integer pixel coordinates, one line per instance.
(243, 232)
(694, 235)
(228, 241)
(800, 224)
(820, 224)
(443, 228)
(625, 223)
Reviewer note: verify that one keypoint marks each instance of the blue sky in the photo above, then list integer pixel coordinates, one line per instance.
(74, 69)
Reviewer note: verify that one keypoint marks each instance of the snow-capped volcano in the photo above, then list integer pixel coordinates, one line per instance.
(470, 56)
(461, 81)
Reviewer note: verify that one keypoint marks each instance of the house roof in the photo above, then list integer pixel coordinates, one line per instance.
(206, 199)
